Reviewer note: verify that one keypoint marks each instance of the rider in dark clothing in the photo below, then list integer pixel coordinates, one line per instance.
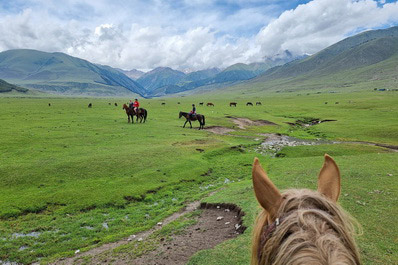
(193, 111)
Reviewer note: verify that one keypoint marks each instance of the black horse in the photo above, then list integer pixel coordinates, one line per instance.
(141, 113)
(196, 117)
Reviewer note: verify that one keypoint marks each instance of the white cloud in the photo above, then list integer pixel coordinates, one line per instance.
(192, 35)
(320, 23)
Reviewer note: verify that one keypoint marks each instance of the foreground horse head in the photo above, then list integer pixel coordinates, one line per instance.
(302, 226)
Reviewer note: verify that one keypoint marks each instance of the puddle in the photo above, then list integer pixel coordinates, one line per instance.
(308, 122)
(31, 234)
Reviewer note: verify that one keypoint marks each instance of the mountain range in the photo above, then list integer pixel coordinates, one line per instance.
(371, 55)
(164, 80)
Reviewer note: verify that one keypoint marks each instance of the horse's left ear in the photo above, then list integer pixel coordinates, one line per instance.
(267, 193)
(329, 179)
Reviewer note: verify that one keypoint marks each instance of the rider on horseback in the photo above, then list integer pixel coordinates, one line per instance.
(193, 111)
(136, 105)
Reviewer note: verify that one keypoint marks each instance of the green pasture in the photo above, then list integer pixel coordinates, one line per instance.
(73, 177)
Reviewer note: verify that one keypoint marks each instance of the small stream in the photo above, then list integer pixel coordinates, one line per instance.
(275, 142)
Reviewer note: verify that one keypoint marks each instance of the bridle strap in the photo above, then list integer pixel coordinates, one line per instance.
(267, 232)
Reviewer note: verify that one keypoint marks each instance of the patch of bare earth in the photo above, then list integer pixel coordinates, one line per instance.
(219, 130)
(215, 224)
(242, 123)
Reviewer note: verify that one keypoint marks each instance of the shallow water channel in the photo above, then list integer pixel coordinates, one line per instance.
(275, 142)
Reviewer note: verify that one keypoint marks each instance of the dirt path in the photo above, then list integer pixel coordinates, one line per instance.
(219, 130)
(139, 236)
(213, 226)
(244, 122)
(209, 231)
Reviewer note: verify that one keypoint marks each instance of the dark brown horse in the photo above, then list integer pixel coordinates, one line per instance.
(196, 117)
(249, 104)
(210, 104)
(232, 104)
(142, 114)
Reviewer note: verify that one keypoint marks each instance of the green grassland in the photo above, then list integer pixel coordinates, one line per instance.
(73, 177)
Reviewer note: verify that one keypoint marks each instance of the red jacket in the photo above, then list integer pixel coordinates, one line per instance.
(136, 104)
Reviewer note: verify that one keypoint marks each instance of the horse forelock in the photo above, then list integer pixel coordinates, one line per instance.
(314, 230)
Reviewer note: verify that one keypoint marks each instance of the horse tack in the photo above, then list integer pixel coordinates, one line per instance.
(267, 232)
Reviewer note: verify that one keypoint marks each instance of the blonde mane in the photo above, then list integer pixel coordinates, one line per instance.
(306, 228)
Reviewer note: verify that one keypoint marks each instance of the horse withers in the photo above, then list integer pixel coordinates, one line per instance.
(196, 117)
(301, 226)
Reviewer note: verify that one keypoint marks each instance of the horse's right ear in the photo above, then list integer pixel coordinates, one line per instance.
(329, 179)
(267, 193)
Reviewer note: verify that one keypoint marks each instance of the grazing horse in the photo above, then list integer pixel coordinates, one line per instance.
(249, 104)
(210, 104)
(301, 226)
(258, 103)
(142, 114)
(115, 104)
(196, 117)
(163, 103)
(200, 103)
(90, 105)
(232, 104)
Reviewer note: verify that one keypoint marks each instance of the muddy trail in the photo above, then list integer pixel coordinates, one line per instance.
(215, 224)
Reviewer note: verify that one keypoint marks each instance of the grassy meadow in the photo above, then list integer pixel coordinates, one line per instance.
(73, 177)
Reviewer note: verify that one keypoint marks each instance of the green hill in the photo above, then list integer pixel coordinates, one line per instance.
(364, 61)
(358, 51)
(7, 87)
(61, 73)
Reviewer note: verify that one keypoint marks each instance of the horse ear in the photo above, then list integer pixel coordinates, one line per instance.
(329, 179)
(267, 193)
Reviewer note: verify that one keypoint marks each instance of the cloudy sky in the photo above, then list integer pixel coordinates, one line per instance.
(186, 34)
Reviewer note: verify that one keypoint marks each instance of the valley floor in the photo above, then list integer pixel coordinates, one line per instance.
(75, 178)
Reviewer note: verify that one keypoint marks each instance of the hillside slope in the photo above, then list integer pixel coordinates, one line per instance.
(61, 73)
(7, 87)
(358, 51)
(365, 61)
